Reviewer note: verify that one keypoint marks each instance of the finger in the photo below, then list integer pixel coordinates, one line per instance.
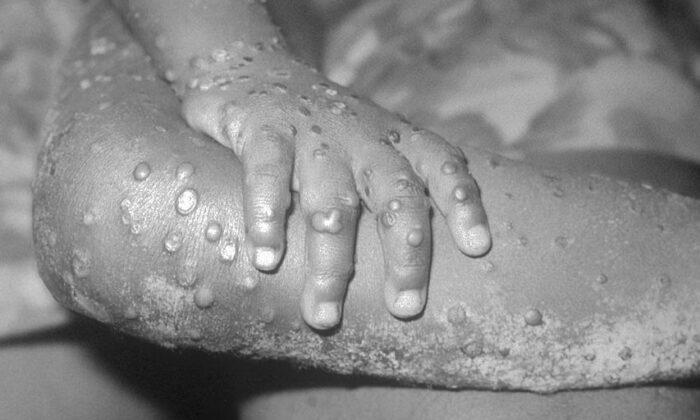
(331, 208)
(453, 190)
(205, 113)
(397, 196)
(267, 163)
(222, 119)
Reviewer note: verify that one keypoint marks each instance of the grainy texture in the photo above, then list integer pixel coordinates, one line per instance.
(101, 236)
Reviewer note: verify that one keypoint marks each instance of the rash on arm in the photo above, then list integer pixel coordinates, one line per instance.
(138, 222)
(174, 33)
(293, 129)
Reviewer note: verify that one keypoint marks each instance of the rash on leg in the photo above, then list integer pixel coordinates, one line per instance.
(635, 319)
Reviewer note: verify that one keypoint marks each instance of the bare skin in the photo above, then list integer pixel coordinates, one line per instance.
(138, 220)
(291, 127)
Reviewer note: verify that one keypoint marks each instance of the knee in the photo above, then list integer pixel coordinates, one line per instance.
(137, 226)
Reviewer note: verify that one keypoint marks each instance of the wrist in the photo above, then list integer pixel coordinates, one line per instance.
(233, 66)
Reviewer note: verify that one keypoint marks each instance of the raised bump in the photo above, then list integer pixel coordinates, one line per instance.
(533, 317)
(228, 251)
(213, 231)
(394, 205)
(460, 194)
(173, 242)
(414, 237)
(204, 297)
(89, 218)
(184, 171)
(393, 136)
(448, 168)
(142, 171)
(187, 201)
(328, 222)
(388, 219)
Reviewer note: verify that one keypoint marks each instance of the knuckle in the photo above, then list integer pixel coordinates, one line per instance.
(410, 270)
(264, 213)
(268, 172)
(202, 113)
(331, 276)
(409, 185)
(411, 203)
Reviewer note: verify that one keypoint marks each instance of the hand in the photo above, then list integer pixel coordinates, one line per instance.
(294, 130)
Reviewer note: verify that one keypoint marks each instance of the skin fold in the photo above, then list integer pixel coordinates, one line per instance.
(139, 223)
(292, 128)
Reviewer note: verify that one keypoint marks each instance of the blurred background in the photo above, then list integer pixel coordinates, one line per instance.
(604, 86)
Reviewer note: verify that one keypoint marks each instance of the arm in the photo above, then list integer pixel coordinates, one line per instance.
(293, 129)
(178, 34)
(591, 283)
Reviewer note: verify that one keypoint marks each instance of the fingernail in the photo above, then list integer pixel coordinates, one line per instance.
(326, 315)
(264, 258)
(408, 303)
(478, 240)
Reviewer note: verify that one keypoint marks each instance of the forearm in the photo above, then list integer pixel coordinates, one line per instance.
(184, 37)
(612, 269)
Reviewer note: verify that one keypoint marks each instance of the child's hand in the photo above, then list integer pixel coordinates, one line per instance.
(291, 128)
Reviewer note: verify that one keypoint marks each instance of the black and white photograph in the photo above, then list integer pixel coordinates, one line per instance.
(350, 209)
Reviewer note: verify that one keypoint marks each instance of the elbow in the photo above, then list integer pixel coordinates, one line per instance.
(128, 232)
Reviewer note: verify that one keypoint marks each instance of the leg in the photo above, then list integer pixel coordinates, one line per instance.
(138, 221)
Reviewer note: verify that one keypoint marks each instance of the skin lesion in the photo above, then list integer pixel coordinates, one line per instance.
(516, 302)
(280, 116)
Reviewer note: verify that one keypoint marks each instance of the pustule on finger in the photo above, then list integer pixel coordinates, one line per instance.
(330, 221)
(409, 203)
(415, 237)
(465, 194)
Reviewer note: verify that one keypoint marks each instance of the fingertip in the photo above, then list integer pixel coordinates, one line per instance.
(321, 316)
(477, 241)
(326, 315)
(406, 303)
(265, 258)
(470, 230)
